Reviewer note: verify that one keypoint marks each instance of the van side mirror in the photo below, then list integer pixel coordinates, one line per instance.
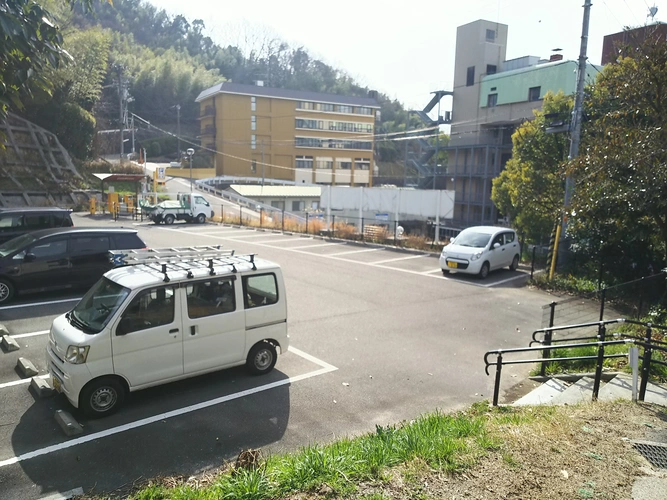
(29, 257)
(496, 245)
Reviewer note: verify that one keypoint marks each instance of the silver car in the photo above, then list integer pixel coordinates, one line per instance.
(481, 249)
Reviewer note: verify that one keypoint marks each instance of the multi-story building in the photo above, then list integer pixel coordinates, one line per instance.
(491, 97)
(290, 135)
(625, 42)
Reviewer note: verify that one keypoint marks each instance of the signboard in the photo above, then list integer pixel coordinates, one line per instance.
(160, 173)
(382, 217)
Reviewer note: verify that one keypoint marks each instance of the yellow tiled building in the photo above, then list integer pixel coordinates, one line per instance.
(305, 137)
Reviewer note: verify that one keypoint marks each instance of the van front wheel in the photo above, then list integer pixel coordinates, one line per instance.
(261, 358)
(101, 397)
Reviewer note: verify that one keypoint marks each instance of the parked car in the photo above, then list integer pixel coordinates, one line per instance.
(206, 309)
(480, 249)
(17, 221)
(53, 259)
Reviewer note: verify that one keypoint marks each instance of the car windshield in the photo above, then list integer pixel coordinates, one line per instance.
(15, 244)
(98, 306)
(472, 239)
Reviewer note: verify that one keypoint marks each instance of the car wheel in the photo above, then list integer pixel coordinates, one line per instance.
(101, 397)
(515, 263)
(484, 272)
(261, 358)
(201, 218)
(168, 219)
(445, 272)
(6, 290)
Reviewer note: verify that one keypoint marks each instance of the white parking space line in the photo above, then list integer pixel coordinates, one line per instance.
(432, 271)
(260, 235)
(31, 304)
(325, 368)
(399, 258)
(308, 246)
(32, 334)
(355, 251)
(20, 382)
(65, 496)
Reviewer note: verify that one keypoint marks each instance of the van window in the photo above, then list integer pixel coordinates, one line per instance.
(260, 290)
(509, 238)
(61, 219)
(127, 241)
(37, 221)
(208, 298)
(200, 200)
(10, 222)
(47, 251)
(150, 308)
(86, 245)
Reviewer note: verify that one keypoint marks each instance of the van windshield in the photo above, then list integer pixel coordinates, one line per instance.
(471, 239)
(98, 306)
(15, 244)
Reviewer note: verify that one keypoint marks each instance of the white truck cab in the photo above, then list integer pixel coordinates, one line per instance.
(166, 315)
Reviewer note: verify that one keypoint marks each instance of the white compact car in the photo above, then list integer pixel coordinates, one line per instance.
(480, 249)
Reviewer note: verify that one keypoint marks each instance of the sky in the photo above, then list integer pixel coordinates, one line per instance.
(405, 49)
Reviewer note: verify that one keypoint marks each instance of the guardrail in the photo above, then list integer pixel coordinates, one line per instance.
(647, 343)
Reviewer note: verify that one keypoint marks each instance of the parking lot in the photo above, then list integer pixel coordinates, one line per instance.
(377, 336)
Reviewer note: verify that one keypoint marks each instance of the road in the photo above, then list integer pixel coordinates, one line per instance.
(377, 336)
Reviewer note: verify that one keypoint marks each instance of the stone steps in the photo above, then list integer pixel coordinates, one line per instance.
(558, 392)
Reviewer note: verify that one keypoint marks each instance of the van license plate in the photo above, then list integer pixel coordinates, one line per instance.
(57, 386)
(453, 264)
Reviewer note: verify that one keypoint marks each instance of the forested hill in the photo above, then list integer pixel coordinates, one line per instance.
(165, 62)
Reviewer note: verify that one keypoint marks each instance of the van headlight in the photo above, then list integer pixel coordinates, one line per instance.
(476, 256)
(77, 354)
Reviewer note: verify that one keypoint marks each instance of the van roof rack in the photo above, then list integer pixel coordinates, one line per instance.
(181, 259)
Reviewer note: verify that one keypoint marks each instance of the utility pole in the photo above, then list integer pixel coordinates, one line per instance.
(262, 162)
(178, 129)
(437, 144)
(575, 128)
(132, 123)
(121, 95)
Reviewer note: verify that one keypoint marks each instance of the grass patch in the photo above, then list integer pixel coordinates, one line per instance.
(434, 442)
(481, 453)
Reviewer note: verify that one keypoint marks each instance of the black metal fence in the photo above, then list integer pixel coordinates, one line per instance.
(634, 300)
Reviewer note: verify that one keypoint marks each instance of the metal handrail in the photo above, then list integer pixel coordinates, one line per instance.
(646, 343)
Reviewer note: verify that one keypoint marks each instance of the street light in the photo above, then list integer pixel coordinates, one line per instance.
(190, 152)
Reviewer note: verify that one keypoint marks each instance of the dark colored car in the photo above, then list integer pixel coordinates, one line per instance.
(17, 221)
(53, 259)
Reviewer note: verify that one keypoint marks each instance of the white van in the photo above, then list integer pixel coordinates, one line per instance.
(163, 316)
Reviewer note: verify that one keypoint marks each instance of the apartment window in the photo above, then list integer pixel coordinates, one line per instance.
(362, 163)
(534, 93)
(490, 35)
(253, 122)
(324, 107)
(470, 77)
(305, 105)
(492, 100)
(491, 69)
(344, 109)
(324, 163)
(304, 162)
(253, 104)
(253, 141)
(343, 163)
(364, 111)
(297, 206)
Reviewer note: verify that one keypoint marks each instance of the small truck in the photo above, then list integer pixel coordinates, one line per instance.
(188, 207)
